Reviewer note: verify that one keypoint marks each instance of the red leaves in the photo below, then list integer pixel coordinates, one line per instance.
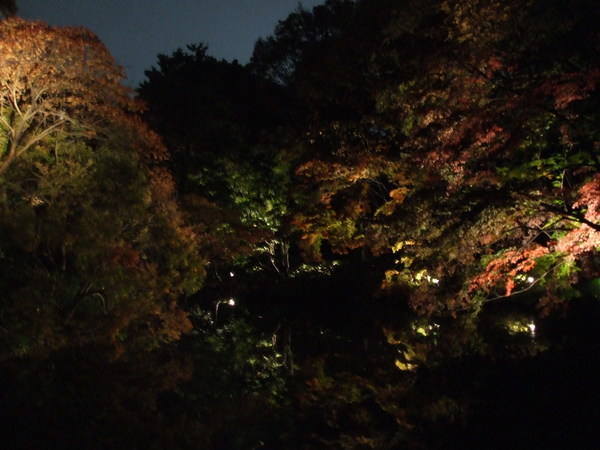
(590, 198)
(125, 256)
(493, 138)
(506, 267)
(570, 87)
(495, 64)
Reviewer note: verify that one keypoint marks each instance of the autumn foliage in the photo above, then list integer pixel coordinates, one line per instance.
(63, 80)
(95, 247)
(481, 154)
(338, 245)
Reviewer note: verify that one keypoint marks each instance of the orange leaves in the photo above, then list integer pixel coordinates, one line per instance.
(484, 131)
(490, 136)
(506, 267)
(322, 171)
(480, 23)
(399, 194)
(147, 143)
(350, 170)
(58, 60)
(162, 185)
(510, 286)
(580, 240)
(125, 256)
(494, 64)
(70, 135)
(63, 80)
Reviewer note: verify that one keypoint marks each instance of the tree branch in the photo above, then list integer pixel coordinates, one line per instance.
(571, 215)
(536, 281)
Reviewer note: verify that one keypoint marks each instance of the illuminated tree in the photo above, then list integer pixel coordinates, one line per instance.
(68, 84)
(506, 136)
(481, 145)
(96, 249)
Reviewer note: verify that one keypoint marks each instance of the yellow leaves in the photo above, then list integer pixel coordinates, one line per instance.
(520, 326)
(391, 275)
(393, 280)
(474, 19)
(405, 366)
(387, 209)
(409, 356)
(390, 337)
(359, 173)
(401, 244)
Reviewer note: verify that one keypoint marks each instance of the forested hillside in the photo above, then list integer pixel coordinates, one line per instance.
(382, 232)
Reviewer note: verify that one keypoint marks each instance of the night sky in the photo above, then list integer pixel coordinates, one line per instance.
(135, 31)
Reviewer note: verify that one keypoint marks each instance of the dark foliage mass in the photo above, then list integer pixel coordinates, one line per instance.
(382, 232)
(8, 8)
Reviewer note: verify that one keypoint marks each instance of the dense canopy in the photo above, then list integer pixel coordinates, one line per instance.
(383, 232)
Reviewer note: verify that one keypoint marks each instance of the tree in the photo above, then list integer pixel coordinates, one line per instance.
(96, 250)
(499, 131)
(322, 57)
(279, 57)
(206, 110)
(224, 127)
(8, 8)
(70, 84)
(478, 122)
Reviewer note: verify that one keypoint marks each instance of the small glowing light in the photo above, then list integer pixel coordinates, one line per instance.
(432, 279)
(530, 279)
(231, 274)
(521, 327)
(231, 302)
(423, 331)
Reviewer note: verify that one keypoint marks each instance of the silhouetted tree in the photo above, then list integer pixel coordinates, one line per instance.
(8, 8)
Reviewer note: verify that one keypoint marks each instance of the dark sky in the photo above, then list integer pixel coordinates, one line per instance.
(135, 31)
